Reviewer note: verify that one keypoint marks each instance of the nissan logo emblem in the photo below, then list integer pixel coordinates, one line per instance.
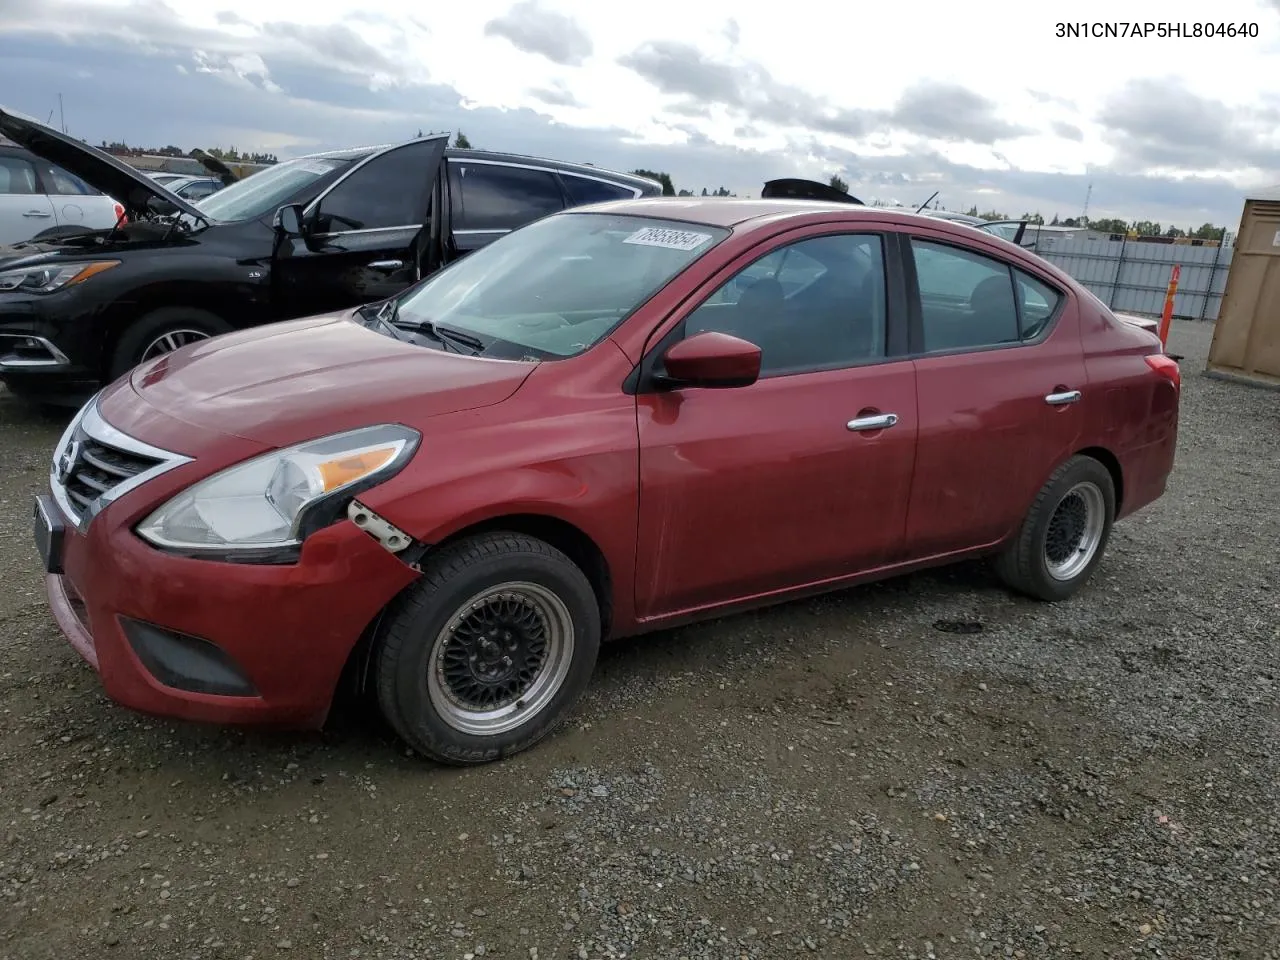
(67, 461)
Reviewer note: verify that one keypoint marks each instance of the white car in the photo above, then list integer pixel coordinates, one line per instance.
(39, 200)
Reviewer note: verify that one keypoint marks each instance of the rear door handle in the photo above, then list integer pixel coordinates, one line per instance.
(880, 421)
(37, 213)
(1060, 399)
(387, 265)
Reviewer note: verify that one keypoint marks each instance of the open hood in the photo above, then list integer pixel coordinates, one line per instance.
(806, 190)
(215, 167)
(100, 170)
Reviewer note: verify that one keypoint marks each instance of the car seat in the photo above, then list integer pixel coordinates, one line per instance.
(995, 317)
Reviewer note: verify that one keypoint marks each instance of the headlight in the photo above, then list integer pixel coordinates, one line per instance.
(52, 276)
(274, 501)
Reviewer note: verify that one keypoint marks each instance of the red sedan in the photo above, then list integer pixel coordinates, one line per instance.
(607, 422)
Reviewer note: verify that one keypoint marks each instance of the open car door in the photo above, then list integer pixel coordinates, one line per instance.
(799, 189)
(1011, 230)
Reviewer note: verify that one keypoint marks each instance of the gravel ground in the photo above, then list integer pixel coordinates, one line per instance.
(841, 777)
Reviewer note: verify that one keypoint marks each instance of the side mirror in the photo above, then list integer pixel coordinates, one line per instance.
(288, 220)
(711, 359)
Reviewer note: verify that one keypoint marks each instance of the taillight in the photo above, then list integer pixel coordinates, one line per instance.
(118, 209)
(1167, 367)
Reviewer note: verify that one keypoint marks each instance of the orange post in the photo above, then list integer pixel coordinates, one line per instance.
(1167, 317)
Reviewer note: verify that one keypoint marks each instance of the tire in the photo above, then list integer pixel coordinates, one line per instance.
(186, 324)
(1051, 561)
(426, 680)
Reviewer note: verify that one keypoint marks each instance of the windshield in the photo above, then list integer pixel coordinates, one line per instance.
(261, 193)
(560, 285)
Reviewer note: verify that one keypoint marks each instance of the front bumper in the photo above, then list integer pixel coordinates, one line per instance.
(201, 639)
(51, 347)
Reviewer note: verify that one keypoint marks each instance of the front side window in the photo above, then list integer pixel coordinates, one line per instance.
(197, 190)
(261, 193)
(388, 191)
(501, 197)
(557, 287)
(814, 304)
(17, 176)
(966, 299)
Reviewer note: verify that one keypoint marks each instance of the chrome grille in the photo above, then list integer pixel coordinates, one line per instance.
(97, 468)
(94, 463)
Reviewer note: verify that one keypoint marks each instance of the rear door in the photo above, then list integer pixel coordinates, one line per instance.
(999, 368)
(490, 198)
(365, 236)
(24, 208)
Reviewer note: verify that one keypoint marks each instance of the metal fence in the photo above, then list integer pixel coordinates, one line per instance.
(1133, 277)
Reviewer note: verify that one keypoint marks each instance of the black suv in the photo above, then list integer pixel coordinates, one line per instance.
(308, 236)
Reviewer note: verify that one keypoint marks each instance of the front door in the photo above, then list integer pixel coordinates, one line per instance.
(1001, 369)
(365, 237)
(800, 478)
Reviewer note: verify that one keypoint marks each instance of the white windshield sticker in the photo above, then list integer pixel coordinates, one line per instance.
(320, 169)
(671, 239)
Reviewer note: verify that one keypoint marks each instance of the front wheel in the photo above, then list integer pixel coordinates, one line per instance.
(163, 331)
(1064, 534)
(488, 652)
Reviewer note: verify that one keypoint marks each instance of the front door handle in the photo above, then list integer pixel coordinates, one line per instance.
(881, 421)
(38, 213)
(387, 265)
(1063, 398)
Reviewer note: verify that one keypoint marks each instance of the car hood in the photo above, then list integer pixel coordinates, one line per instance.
(215, 167)
(283, 383)
(806, 190)
(132, 188)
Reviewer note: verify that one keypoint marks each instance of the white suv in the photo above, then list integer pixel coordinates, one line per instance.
(39, 200)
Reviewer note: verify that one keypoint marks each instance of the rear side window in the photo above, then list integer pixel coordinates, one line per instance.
(583, 191)
(64, 184)
(499, 197)
(966, 299)
(17, 176)
(1038, 301)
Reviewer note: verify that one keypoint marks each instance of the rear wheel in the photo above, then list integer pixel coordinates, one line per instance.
(1064, 534)
(488, 652)
(163, 331)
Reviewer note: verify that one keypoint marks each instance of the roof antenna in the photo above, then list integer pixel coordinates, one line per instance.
(926, 203)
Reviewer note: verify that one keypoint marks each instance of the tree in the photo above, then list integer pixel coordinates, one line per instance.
(838, 184)
(461, 142)
(687, 193)
(1209, 232)
(704, 191)
(668, 188)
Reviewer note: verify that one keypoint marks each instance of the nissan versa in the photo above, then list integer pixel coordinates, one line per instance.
(612, 420)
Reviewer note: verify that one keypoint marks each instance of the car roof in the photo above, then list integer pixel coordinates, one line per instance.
(455, 153)
(733, 211)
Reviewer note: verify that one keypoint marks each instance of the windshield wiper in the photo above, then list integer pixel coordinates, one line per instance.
(442, 335)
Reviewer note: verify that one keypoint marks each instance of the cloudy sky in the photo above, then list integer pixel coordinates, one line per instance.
(980, 101)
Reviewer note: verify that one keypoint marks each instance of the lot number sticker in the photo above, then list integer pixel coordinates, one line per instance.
(671, 239)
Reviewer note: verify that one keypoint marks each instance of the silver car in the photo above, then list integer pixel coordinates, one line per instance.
(40, 200)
